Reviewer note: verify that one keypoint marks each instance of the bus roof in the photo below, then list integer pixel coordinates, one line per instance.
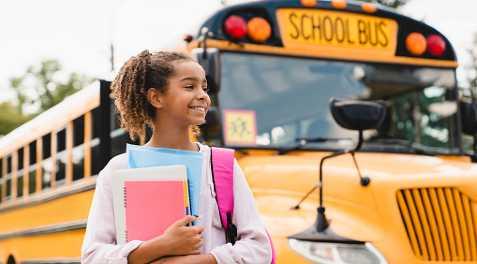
(275, 12)
(52, 119)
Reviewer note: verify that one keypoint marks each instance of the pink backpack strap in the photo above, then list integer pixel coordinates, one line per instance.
(222, 163)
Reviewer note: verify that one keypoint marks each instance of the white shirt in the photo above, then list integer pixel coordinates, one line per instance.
(252, 246)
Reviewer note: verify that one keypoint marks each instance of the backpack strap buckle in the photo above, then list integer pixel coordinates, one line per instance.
(230, 231)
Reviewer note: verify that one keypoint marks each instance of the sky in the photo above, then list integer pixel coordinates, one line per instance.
(79, 33)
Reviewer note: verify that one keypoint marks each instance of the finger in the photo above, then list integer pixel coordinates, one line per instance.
(196, 239)
(185, 220)
(198, 229)
(199, 244)
(195, 252)
(193, 230)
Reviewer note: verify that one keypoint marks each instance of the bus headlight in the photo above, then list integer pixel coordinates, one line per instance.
(337, 253)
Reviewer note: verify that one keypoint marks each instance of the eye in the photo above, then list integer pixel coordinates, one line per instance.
(189, 86)
(205, 88)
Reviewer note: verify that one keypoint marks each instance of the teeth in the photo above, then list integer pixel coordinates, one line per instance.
(199, 109)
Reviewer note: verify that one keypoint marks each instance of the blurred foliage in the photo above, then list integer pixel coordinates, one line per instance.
(467, 92)
(389, 3)
(10, 118)
(472, 69)
(39, 88)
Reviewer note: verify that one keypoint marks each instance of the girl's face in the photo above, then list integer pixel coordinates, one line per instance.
(185, 101)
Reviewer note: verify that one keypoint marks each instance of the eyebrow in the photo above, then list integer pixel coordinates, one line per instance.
(193, 79)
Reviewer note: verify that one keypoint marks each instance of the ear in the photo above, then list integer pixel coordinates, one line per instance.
(154, 97)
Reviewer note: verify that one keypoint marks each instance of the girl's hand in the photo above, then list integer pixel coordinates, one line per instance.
(178, 239)
(182, 239)
(191, 259)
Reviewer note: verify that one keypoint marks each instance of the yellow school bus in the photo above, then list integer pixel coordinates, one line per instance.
(47, 169)
(407, 195)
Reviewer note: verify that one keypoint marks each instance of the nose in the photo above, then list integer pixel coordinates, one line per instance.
(202, 95)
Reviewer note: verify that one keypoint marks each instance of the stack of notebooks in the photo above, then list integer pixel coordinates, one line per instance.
(160, 187)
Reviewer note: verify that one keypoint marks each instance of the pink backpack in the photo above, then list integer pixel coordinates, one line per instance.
(222, 163)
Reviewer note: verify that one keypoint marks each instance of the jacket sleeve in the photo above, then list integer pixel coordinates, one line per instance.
(99, 244)
(252, 245)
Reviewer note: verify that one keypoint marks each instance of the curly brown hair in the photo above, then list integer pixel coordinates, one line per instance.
(129, 88)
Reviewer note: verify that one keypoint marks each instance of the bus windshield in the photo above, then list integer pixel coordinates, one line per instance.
(290, 96)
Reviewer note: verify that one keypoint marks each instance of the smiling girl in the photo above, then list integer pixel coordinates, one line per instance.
(167, 91)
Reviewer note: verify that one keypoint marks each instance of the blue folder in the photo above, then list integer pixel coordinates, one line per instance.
(144, 156)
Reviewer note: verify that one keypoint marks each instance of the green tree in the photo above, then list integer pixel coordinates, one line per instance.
(10, 118)
(389, 3)
(470, 91)
(39, 88)
(472, 68)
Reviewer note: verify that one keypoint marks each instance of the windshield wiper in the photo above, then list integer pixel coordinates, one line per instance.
(408, 145)
(303, 141)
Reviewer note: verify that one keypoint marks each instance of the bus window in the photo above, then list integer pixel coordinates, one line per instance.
(119, 137)
(270, 86)
(8, 191)
(78, 148)
(114, 118)
(46, 165)
(61, 157)
(1, 179)
(96, 142)
(8, 178)
(31, 173)
(416, 120)
(20, 173)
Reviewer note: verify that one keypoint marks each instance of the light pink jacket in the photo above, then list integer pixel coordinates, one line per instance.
(99, 245)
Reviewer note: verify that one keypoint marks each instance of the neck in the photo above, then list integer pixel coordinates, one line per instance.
(176, 138)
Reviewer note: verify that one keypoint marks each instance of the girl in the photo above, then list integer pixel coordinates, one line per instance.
(168, 92)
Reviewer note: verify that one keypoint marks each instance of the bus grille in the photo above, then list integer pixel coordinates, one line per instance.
(440, 223)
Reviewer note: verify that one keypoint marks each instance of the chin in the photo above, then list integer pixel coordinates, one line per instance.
(197, 122)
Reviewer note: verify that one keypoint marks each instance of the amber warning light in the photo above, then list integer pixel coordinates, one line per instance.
(417, 44)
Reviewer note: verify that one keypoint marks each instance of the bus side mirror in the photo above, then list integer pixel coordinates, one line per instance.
(357, 115)
(468, 115)
(209, 59)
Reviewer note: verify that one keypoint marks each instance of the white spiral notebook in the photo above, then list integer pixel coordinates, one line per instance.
(148, 200)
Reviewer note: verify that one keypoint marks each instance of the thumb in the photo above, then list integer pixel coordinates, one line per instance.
(185, 220)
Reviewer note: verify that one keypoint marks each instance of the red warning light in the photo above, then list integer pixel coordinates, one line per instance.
(235, 27)
(436, 46)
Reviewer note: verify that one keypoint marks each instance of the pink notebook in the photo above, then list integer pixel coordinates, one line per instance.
(151, 207)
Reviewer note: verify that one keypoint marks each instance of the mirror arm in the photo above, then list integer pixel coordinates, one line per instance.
(203, 42)
(321, 221)
(474, 147)
(363, 180)
(360, 141)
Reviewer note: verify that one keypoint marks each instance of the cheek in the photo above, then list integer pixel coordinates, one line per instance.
(207, 98)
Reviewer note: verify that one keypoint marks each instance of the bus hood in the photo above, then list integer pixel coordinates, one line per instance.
(369, 213)
(296, 174)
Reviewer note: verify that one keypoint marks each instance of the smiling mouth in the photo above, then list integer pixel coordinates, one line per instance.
(199, 109)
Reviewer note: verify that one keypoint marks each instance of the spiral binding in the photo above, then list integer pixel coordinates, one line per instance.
(125, 207)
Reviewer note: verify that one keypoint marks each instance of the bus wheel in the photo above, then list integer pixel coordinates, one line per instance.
(11, 260)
